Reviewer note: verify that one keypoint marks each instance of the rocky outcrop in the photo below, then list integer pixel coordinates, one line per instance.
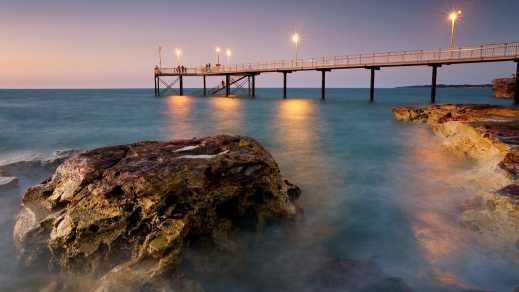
(504, 87)
(124, 214)
(483, 132)
(490, 135)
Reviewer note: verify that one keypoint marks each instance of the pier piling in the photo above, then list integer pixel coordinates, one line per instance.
(227, 84)
(155, 85)
(323, 83)
(516, 95)
(433, 83)
(372, 83)
(253, 76)
(285, 84)
(181, 85)
(158, 86)
(205, 88)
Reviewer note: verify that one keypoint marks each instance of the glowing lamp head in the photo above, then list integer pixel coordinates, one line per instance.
(178, 52)
(218, 49)
(228, 52)
(453, 16)
(295, 38)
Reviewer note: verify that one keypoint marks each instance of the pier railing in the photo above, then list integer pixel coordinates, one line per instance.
(489, 52)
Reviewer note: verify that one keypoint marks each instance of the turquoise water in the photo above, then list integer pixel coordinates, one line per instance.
(373, 189)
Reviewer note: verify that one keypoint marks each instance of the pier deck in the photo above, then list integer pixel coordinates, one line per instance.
(375, 61)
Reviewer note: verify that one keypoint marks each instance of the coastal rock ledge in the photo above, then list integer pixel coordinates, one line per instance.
(490, 135)
(124, 214)
(504, 87)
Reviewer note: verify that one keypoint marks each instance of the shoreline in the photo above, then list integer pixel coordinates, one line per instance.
(489, 135)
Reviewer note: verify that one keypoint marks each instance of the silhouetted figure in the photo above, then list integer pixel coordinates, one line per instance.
(223, 84)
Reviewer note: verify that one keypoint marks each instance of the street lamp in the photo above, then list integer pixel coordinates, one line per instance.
(228, 52)
(295, 40)
(217, 55)
(160, 56)
(453, 17)
(178, 52)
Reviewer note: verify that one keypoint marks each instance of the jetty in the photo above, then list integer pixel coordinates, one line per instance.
(239, 75)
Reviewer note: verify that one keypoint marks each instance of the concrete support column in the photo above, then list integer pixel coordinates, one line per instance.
(285, 84)
(253, 85)
(372, 84)
(155, 85)
(516, 95)
(433, 83)
(205, 88)
(323, 84)
(227, 84)
(181, 85)
(158, 85)
(248, 85)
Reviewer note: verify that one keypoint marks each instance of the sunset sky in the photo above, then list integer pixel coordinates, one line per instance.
(113, 44)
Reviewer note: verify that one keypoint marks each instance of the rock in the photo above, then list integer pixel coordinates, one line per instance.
(510, 163)
(512, 192)
(483, 132)
(504, 87)
(8, 182)
(490, 135)
(124, 214)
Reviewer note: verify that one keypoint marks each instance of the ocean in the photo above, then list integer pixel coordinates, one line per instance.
(373, 189)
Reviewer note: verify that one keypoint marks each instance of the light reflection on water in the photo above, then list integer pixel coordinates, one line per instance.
(373, 189)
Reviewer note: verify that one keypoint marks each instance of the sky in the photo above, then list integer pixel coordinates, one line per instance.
(113, 43)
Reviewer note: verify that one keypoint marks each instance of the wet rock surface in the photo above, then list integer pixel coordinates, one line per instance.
(490, 135)
(482, 132)
(125, 214)
(504, 87)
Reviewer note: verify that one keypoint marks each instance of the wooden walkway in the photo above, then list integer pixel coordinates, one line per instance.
(435, 58)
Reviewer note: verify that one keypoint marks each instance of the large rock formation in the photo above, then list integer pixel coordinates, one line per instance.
(124, 214)
(490, 135)
(504, 87)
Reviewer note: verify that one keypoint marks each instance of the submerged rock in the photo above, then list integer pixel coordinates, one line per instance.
(504, 87)
(490, 135)
(125, 213)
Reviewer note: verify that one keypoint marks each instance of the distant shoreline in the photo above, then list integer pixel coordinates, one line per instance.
(449, 86)
(298, 88)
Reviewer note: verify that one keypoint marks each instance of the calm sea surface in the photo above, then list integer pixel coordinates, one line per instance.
(373, 189)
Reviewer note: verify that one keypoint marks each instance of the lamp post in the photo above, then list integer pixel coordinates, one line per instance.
(295, 40)
(218, 55)
(453, 17)
(160, 56)
(228, 52)
(178, 52)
